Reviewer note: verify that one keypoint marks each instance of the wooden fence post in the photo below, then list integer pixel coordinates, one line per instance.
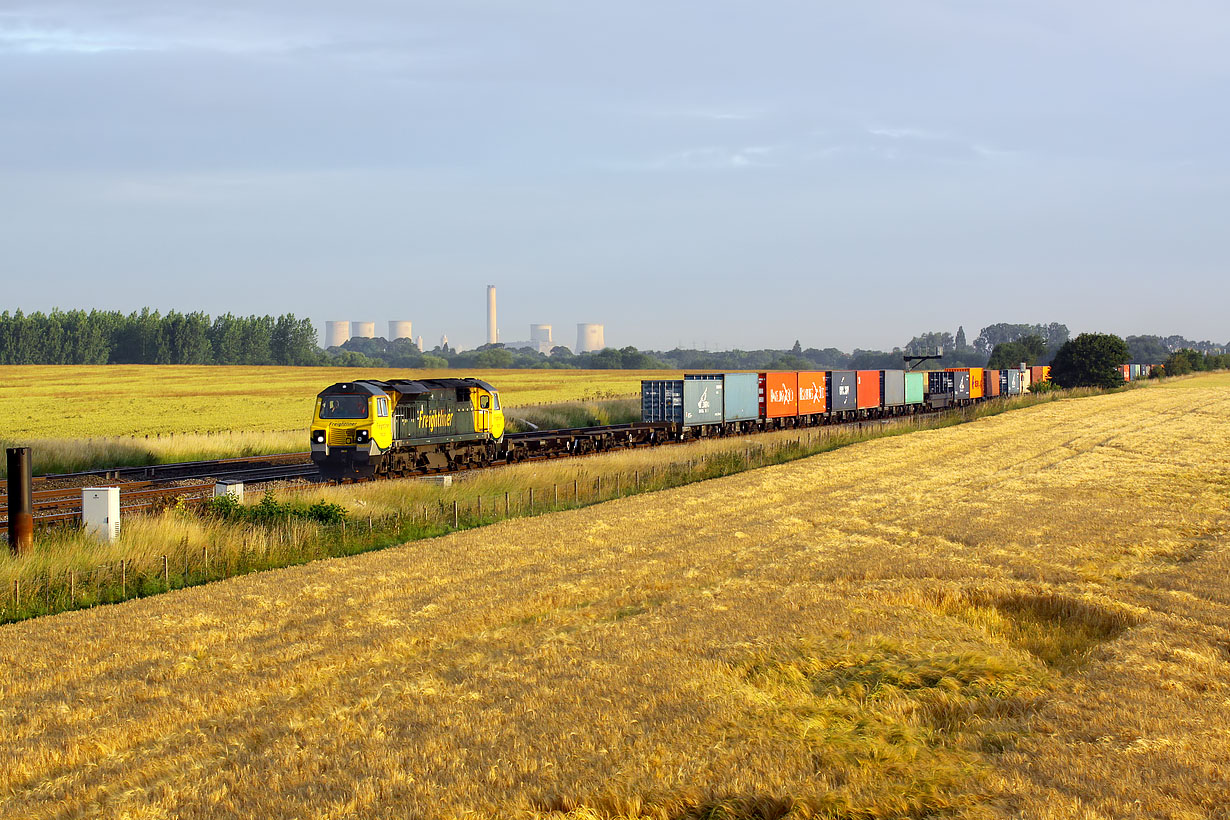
(166, 574)
(454, 514)
(123, 578)
(506, 504)
(531, 500)
(72, 587)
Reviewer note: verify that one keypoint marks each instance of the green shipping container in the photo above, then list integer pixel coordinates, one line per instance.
(915, 384)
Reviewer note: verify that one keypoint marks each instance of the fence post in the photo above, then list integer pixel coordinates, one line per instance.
(124, 577)
(166, 574)
(576, 498)
(555, 495)
(454, 514)
(636, 477)
(479, 508)
(599, 488)
(531, 500)
(16, 595)
(72, 587)
(506, 504)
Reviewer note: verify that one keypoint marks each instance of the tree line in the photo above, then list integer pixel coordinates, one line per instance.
(149, 337)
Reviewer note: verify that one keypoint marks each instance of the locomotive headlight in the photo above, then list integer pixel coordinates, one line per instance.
(318, 436)
(360, 436)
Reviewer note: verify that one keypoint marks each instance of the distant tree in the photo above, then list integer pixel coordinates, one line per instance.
(1185, 361)
(960, 340)
(797, 350)
(926, 343)
(1147, 349)
(1090, 360)
(1030, 349)
(494, 358)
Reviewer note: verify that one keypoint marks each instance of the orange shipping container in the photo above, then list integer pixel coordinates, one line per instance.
(779, 395)
(990, 384)
(868, 389)
(976, 382)
(1126, 370)
(812, 397)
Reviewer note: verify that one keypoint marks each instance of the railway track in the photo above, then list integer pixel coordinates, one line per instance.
(150, 487)
(157, 485)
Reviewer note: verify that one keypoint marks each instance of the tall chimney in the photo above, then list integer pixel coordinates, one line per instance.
(492, 333)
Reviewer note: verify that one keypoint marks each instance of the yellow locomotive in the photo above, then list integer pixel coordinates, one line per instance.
(367, 427)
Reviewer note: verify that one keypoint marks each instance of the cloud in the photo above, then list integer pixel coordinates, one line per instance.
(715, 158)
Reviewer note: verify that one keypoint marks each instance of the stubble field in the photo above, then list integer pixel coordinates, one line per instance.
(1021, 616)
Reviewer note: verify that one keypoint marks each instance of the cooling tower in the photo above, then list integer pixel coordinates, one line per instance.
(336, 333)
(364, 330)
(399, 330)
(540, 333)
(420, 343)
(589, 338)
(492, 333)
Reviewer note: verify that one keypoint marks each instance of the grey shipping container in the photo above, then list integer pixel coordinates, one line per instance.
(1010, 383)
(682, 401)
(842, 389)
(892, 387)
(960, 384)
(741, 397)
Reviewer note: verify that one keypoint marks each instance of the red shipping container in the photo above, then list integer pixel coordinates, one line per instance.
(779, 395)
(1037, 374)
(812, 398)
(868, 389)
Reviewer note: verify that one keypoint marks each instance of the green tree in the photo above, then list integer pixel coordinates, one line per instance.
(1029, 349)
(1090, 360)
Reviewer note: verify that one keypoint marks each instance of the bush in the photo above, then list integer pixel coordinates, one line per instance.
(1090, 360)
(271, 511)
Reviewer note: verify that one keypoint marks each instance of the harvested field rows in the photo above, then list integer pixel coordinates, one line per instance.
(1024, 615)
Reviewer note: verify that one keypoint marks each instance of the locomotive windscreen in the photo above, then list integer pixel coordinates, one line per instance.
(343, 407)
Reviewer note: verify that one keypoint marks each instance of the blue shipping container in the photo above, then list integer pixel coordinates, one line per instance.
(688, 402)
(741, 397)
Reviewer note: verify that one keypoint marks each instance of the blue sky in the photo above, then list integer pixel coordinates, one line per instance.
(729, 174)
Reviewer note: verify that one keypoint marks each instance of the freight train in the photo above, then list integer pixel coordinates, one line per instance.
(367, 428)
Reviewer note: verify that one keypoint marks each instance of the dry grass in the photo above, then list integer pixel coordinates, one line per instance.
(1025, 616)
(78, 417)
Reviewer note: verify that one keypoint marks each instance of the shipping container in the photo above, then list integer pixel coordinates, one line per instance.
(1135, 372)
(990, 382)
(741, 397)
(1012, 380)
(812, 395)
(977, 388)
(939, 382)
(960, 382)
(1038, 374)
(915, 387)
(868, 389)
(842, 389)
(892, 387)
(1126, 370)
(682, 401)
(1026, 380)
(779, 395)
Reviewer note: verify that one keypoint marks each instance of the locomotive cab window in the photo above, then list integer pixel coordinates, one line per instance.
(343, 407)
(382, 408)
(485, 403)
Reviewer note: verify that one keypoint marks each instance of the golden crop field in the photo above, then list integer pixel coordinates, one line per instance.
(71, 401)
(83, 416)
(1023, 616)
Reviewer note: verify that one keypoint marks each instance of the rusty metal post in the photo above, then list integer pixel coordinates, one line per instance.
(21, 500)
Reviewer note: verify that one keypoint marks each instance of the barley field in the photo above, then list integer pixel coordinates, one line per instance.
(1023, 616)
(78, 417)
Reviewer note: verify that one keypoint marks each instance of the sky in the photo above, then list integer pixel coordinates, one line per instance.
(710, 173)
